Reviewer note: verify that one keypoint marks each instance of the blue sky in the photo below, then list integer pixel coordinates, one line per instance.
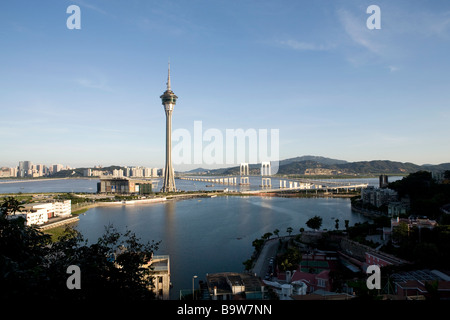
(311, 69)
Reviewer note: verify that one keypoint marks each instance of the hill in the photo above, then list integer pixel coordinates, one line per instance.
(315, 165)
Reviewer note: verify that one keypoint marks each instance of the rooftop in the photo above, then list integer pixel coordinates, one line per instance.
(221, 281)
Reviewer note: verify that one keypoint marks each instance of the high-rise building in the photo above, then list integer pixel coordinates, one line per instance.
(25, 168)
(57, 168)
(169, 100)
(384, 182)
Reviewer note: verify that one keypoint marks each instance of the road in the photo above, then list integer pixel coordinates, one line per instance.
(262, 263)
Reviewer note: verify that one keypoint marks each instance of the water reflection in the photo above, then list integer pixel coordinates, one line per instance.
(213, 234)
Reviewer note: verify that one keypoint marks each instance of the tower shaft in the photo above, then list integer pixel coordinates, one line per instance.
(169, 179)
(169, 100)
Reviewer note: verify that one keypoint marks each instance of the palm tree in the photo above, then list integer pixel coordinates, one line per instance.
(10, 206)
(276, 232)
(346, 224)
(289, 230)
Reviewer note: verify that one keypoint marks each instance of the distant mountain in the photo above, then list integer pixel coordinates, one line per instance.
(316, 165)
(198, 170)
(437, 167)
(322, 160)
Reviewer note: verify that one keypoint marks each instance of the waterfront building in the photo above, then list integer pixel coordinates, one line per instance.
(159, 266)
(32, 211)
(33, 216)
(160, 271)
(378, 196)
(63, 208)
(169, 100)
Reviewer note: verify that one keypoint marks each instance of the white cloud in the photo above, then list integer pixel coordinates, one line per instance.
(356, 29)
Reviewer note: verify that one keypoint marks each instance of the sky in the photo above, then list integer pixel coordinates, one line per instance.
(312, 70)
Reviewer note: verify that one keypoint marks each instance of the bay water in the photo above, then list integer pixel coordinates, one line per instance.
(201, 235)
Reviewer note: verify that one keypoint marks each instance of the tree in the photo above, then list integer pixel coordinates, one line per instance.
(258, 244)
(291, 259)
(267, 235)
(400, 233)
(314, 223)
(33, 267)
(346, 222)
(10, 206)
(276, 232)
(289, 230)
(447, 174)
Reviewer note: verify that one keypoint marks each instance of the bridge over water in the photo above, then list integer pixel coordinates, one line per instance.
(282, 185)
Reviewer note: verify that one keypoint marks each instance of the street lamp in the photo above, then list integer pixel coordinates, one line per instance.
(193, 287)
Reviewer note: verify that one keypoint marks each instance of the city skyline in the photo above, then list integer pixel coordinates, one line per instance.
(316, 72)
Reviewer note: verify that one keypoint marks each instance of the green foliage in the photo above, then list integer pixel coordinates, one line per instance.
(33, 267)
(314, 223)
(290, 260)
(289, 230)
(425, 194)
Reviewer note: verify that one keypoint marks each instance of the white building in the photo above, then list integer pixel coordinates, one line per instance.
(33, 216)
(48, 207)
(117, 173)
(39, 213)
(63, 208)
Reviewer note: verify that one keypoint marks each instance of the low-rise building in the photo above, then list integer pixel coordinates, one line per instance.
(232, 285)
(63, 208)
(124, 185)
(416, 284)
(32, 216)
(159, 266)
(40, 213)
(412, 221)
(160, 271)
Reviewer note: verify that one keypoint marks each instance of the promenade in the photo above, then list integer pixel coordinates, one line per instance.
(262, 262)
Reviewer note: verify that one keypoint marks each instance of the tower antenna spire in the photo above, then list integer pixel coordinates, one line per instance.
(168, 79)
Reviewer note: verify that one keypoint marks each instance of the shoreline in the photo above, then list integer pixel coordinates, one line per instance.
(82, 209)
(44, 179)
